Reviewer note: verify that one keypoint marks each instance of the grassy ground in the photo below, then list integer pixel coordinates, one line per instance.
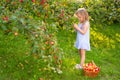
(106, 58)
(17, 64)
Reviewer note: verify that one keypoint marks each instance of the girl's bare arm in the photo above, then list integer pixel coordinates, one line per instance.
(82, 31)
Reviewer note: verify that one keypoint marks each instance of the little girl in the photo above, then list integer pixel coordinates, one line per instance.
(82, 40)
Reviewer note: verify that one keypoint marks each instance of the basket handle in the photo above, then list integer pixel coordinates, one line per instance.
(93, 62)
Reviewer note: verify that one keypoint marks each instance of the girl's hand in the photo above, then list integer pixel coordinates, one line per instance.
(75, 26)
(82, 31)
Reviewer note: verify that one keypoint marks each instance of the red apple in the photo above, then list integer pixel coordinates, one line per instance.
(93, 70)
(5, 18)
(62, 13)
(90, 64)
(96, 69)
(55, 57)
(60, 61)
(86, 65)
(7, 0)
(46, 42)
(21, 1)
(14, 3)
(51, 42)
(38, 14)
(42, 2)
(33, 1)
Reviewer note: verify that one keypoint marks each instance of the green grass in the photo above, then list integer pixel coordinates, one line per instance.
(13, 51)
(17, 64)
(106, 58)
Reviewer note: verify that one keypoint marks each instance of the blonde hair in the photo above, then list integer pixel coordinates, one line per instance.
(84, 13)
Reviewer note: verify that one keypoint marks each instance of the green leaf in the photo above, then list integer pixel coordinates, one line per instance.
(4, 28)
(13, 17)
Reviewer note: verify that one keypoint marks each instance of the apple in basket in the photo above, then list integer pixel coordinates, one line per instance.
(97, 69)
(91, 67)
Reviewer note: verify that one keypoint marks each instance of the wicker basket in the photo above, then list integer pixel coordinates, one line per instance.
(91, 72)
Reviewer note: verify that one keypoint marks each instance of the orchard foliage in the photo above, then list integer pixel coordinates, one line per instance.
(103, 11)
(59, 12)
(33, 19)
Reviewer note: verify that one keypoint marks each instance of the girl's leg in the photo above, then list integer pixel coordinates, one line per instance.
(82, 56)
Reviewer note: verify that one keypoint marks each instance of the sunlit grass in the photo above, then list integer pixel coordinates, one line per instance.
(103, 56)
(17, 64)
